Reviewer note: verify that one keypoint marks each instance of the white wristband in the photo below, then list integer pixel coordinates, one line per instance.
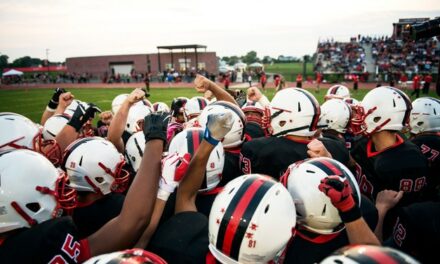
(163, 195)
(48, 109)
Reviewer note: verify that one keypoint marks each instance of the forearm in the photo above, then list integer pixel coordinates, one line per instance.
(117, 126)
(46, 115)
(66, 136)
(188, 188)
(220, 93)
(155, 218)
(124, 230)
(379, 227)
(359, 233)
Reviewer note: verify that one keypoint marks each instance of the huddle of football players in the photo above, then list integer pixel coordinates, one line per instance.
(213, 181)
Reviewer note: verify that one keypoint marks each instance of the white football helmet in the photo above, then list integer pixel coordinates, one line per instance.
(251, 220)
(54, 125)
(335, 114)
(128, 256)
(94, 165)
(134, 150)
(136, 116)
(253, 107)
(32, 190)
(383, 108)
(337, 92)
(425, 115)
(351, 101)
(19, 132)
(294, 111)
(194, 107)
(235, 137)
(365, 254)
(314, 209)
(160, 107)
(188, 141)
(117, 102)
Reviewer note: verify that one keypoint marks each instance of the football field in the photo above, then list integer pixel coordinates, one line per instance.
(32, 102)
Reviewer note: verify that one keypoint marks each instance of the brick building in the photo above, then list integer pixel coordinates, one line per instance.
(155, 63)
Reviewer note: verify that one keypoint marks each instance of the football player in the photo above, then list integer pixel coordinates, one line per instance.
(387, 161)
(425, 131)
(31, 231)
(294, 116)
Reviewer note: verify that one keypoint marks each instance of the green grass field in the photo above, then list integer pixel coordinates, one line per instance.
(289, 70)
(32, 102)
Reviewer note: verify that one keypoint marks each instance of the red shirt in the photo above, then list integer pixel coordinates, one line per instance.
(299, 78)
(318, 78)
(263, 78)
(428, 78)
(416, 82)
(403, 78)
(355, 78)
(227, 81)
(277, 81)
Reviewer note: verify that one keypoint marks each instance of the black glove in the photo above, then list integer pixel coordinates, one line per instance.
(82, 115)
(155, 126)
(53, 103)
(176, 105)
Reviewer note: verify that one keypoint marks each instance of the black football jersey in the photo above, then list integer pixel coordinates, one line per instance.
(417, 231)
(231, 169)
(54, 241)
(400, 167)
(91, 218)
(253, 130)
(272, 155)
(308, 247)
(429, 144)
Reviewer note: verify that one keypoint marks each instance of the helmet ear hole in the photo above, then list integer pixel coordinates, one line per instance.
(34, 207)
(99, 179)
(266, 209)
(282, 123)
(420, 123)
(376, 119)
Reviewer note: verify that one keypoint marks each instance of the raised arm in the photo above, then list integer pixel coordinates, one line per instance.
(218, 125)
(52, 105)
(341, 195)
(124, 230)
(70, 132)
(117, 125)
(204, 84)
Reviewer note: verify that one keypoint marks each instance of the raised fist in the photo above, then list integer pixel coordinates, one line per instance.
(217, 126)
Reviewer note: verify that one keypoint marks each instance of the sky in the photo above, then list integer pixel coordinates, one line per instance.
(73, 28)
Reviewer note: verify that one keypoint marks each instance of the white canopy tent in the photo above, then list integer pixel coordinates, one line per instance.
(12, 72)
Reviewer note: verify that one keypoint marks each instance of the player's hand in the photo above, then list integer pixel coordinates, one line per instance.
(340, 193)
(202, 83)
(64, 100)
(254, 94)
(53, 102)
(155, 126)
(317, 149)
(387, 199)
(174, 168)
(135, 96)
(82, 115)
(217, 126)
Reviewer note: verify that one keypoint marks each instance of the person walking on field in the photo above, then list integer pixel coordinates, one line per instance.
(318, 81)
(263, 81)
(355, 83)
(403, 82)
(428, 80)
(299, 80)
(416, 86)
